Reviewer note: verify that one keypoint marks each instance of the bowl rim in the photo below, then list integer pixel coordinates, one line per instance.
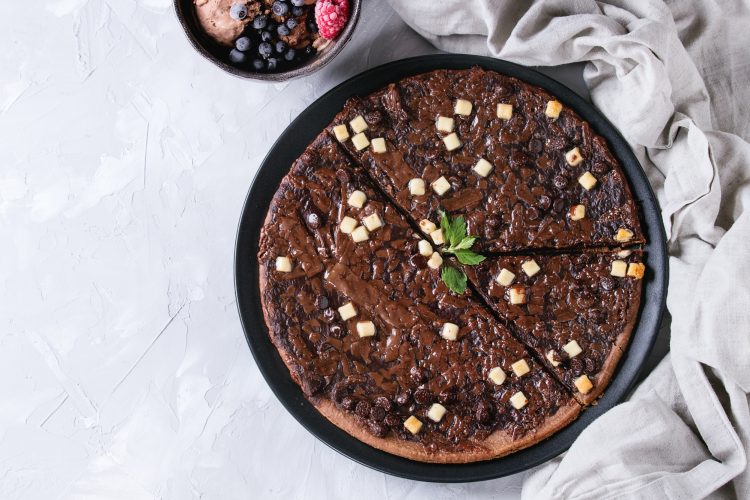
(305, 70)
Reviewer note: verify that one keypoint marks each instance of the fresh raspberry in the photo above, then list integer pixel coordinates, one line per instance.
(331, 16)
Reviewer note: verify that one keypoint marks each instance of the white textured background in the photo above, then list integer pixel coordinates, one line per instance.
(124, 162)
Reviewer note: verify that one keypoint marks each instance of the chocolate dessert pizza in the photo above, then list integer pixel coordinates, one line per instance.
(387, 285)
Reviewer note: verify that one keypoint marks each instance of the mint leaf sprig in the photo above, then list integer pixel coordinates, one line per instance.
(459, 244)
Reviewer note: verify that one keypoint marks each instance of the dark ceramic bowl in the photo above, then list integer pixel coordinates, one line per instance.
(219, 54)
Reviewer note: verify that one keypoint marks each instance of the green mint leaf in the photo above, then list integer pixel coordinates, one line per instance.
(456, 280)
(457, 231)
(466, 243)
(445, 223)
(468, 257)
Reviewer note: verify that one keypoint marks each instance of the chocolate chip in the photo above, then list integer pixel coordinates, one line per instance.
(456, 182)
(576, 366)
(339, 393)
(432, 153)
(418, 375)
(494, 222)
(518, 159)
(418, 260)
(447, 396)
(558, 205)
(560, 181)
(342, 175)
(349, 403)
(600, 168)
(535, 146)
(384, 403)
(314, 384)
(336, 331)
(363, 408)
(584, 258)
(377, 413)
(374, 117)
(313, 220)
(607, 283)
(590, 365)
(545, 202)
(585, 299)
(392, 420)
(378, 429)
(422, 396)
(403, 398)
(329, 315)
(533, 213)
(322, 302)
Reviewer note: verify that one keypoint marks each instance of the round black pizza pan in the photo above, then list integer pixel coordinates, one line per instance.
(292, 143)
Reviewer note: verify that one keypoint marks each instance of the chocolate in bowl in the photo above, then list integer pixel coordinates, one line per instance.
(219, 54)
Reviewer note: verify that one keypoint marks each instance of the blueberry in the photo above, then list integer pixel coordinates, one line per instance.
(291, 23)
(312, 26)
(281, 46)
(271, 26)
(265, 49)
(243, 44)
(260, 22)
(272, 62)
(238, 11)
(298, 11)
(259, 64)
(266, 36)
(280, 8)
(290, 54)
(236, 56)
(282, 30)
(298, 3)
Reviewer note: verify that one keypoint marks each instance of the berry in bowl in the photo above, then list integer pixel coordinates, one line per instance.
(269, 40)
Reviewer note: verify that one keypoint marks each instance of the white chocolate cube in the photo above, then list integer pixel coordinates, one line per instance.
(587, 181)
(572, 348)
(348, 225)
(520, 367)
(437, 237)
(573, 157)
(357, 199)
(578, 212)
(413, 424)
(427, 226)
(452, 142)
(365, 328)
(435, 261)
(283, 265)
(425, 248)
(450, 331)
(497, 375)
(358, 124)
(441, 186)
(505, 278)
(360, 141)
(530, 267)
(518, 400)
(636, 270)
(483, 167)
(462, 107)
(445, 124)
(342, 134)
(416, 187)
(551, 358)
(504, 111)
(624, 253)
(517, 295)
(619, 268)
(623, 235)
(378, 145)
(583, 384)
(360, 234)
(553, 109)
(347, 311)
(372, 222)
(436, 412)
